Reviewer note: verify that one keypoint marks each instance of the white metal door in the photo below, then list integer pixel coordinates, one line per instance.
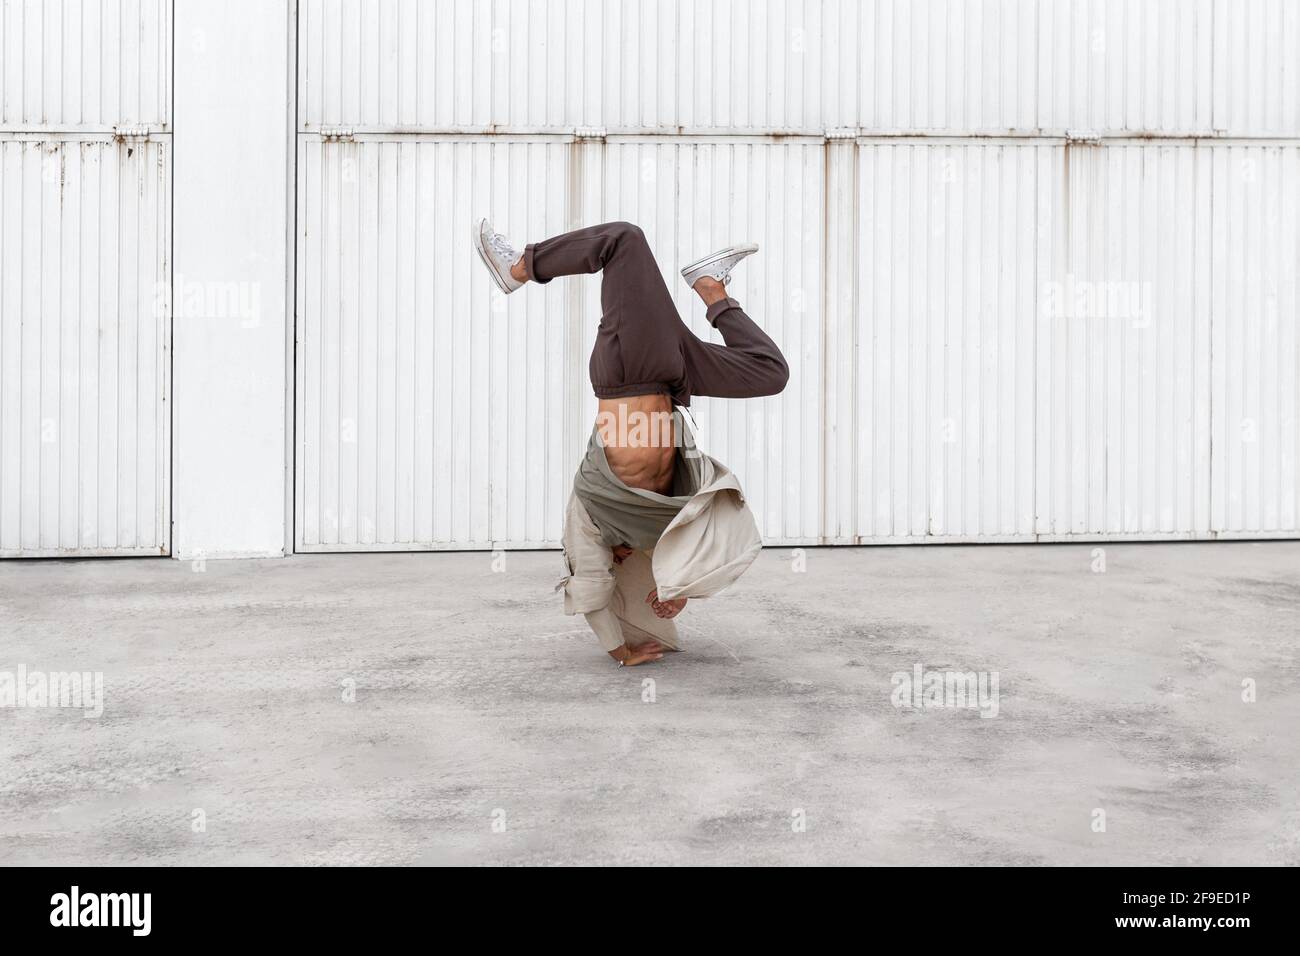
(85, 209)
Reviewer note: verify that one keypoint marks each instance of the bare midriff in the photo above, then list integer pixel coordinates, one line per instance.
(639, 445)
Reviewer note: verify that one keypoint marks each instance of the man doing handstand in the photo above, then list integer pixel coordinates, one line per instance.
(651, 520)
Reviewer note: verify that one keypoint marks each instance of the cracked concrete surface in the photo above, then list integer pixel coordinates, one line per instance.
(480, 708)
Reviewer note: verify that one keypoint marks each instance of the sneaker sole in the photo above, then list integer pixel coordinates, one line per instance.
(748, 247)
(487, 259)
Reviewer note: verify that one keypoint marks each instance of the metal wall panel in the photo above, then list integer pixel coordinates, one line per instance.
(667, 65)
(655, 65)
(1255, 252)
(426, 399)
(1124, 344)
(84, 360)
(755, 66)
(944, 335)
(1022, 67)
(941, 65)
(85, 64)
(465, 65)
(1257, 67)
(1118, 66)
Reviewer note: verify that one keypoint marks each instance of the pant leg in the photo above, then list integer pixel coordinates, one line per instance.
(638, 345)
(642, 345)
(749, 366)
(630, 276)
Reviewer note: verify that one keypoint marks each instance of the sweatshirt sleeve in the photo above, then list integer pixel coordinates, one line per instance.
(608, 631)
(589, 584)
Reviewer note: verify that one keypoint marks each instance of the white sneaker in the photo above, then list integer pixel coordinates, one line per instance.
(497, 254)
(718, 265)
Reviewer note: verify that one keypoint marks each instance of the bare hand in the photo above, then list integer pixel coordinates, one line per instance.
(620, 553)
(664, 609)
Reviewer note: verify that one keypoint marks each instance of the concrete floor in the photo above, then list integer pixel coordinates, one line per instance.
(477, 702)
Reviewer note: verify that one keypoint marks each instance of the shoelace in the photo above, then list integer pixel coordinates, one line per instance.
(502, 247)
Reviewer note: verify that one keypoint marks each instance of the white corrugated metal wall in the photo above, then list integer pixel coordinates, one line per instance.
(1033, 262)
(84, 249)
